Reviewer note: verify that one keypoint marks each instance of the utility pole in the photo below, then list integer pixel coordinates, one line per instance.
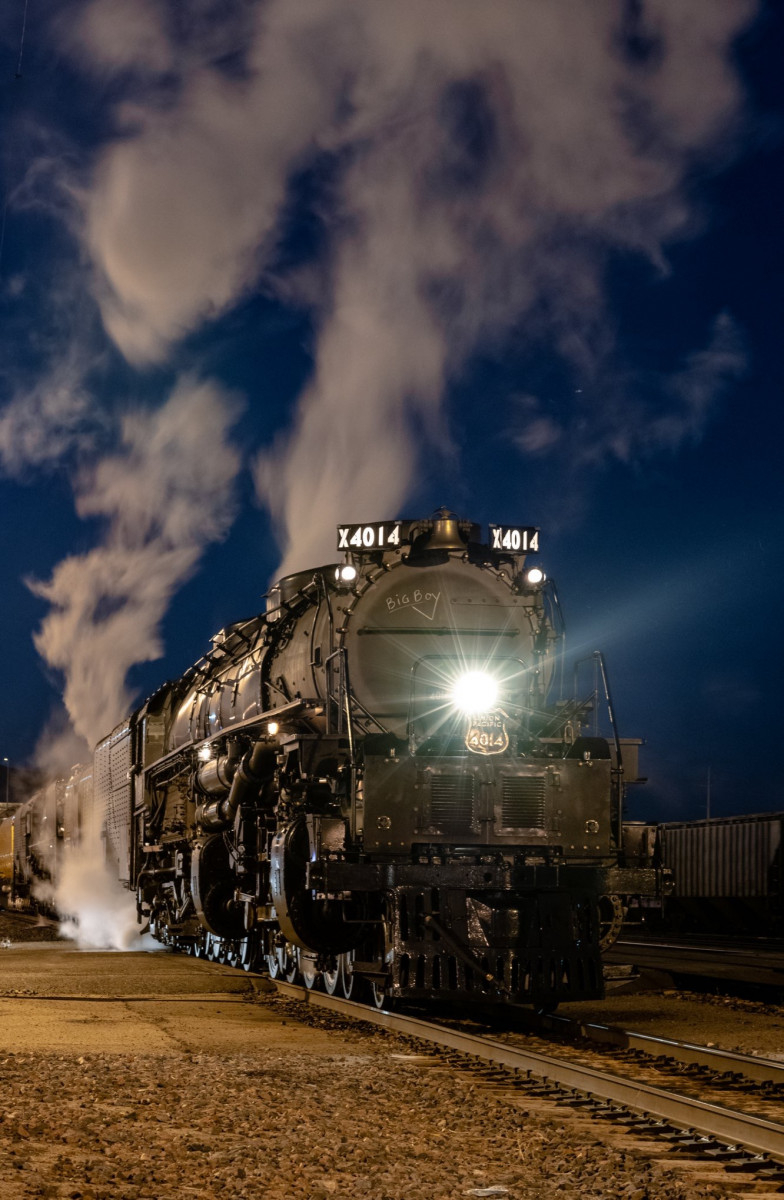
(707, 795)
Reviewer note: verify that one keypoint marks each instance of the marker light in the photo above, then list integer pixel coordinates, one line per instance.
(346, 574)
(273, 728)
(535, 575)
(205, 753)
(475, 692)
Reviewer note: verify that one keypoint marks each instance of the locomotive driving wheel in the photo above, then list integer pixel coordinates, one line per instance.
(282, 963)
(377, 994)
(249, 953)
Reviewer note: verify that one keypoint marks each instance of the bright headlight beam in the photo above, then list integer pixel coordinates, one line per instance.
(475, 692)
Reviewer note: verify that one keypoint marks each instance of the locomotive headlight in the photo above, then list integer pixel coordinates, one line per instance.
(535, 575)
(346, 574)
(475, 692)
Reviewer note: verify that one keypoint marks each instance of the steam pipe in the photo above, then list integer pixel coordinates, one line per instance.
(254, 770)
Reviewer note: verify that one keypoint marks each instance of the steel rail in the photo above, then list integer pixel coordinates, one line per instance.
(758, 966)
(760, 1070)
(727, 1125)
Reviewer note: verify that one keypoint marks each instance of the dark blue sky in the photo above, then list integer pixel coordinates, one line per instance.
(258, 275)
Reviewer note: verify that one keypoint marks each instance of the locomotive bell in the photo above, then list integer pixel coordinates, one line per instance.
(445, 534)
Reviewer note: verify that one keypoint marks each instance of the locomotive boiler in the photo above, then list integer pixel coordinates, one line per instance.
(377, 780)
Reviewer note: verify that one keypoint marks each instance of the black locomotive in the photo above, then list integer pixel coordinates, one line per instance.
(371, 781)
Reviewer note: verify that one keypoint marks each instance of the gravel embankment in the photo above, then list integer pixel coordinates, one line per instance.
(155, 1077)
(291, 1126)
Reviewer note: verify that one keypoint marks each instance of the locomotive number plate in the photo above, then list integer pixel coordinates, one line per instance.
(487, 734)
(520, 539)
(369, 537)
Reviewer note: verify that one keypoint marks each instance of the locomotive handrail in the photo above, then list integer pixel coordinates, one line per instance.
(272, 714)
(437, 630)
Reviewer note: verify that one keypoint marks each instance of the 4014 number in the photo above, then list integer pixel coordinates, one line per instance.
(369, 537)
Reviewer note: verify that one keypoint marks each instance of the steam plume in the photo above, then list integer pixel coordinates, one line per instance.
(95, 910)
(101, 913)
(475, 167)
(487, 159)
(166, 495)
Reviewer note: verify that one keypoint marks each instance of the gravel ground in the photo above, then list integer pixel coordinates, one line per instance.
(187, 1080)
(156, 1077)
(745, 1026)
(243, 1125)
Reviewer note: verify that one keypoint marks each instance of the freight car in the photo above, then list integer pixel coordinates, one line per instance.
(726, 874)
(373, 781)
(35, 837)
(31, 847)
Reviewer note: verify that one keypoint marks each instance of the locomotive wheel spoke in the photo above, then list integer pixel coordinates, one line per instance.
(331, 979)
(288, 966)
(307, 969)
(346, 973)
(377, 995)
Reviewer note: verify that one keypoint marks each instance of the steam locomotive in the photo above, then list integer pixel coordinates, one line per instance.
(373, 781)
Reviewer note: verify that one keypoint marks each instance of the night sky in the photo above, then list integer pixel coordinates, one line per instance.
(269, 266)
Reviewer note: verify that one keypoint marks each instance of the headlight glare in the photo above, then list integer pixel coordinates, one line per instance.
(475, 692)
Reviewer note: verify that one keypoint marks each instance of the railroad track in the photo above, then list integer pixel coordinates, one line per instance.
(761, 964)
(741, 1147)
(723, 1064)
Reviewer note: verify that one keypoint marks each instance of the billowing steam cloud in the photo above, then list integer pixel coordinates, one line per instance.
(474, 166)
(166, 495)
(95, 910)
(485, 160)
(98, 912)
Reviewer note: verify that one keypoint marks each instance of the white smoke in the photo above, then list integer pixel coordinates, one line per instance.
(44, 422)
(93, 907)
(59, 746)
(166, 494)
(484, 162)
(487, 160)
(98, 912)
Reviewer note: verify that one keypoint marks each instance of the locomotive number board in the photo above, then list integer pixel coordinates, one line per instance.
(517, 539)
(520, 539)
(370, 537)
